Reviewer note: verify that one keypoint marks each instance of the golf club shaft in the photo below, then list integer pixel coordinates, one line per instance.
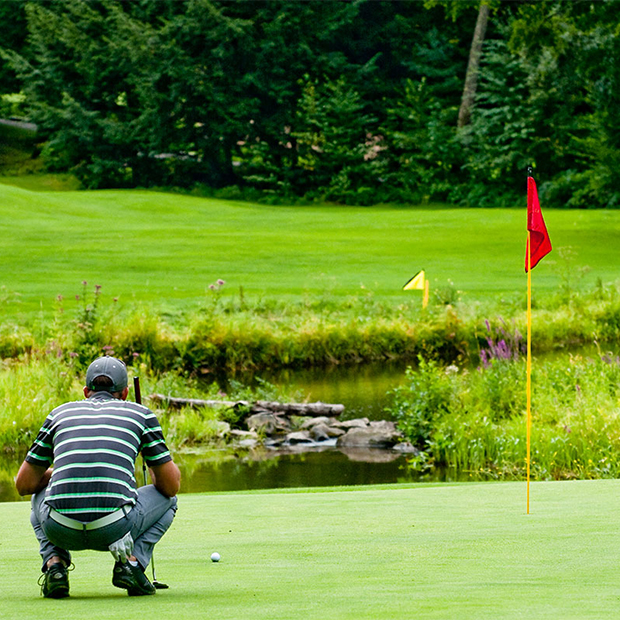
(138, 393)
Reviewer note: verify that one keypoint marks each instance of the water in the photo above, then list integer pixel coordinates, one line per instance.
(262, 470)
(226, 470)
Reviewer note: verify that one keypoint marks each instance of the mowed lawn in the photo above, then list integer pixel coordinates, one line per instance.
(462, 551)
(166, 249)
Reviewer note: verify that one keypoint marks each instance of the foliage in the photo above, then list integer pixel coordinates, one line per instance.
(474, 421)
(237, 334)
(280, 99)
(426, 399)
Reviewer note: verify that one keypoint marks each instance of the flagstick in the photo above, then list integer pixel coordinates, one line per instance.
(528, 388)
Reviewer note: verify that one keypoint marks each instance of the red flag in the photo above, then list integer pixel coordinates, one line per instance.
(541, 244)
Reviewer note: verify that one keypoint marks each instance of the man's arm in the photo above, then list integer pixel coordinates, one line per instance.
(32, 478)
(166, 478)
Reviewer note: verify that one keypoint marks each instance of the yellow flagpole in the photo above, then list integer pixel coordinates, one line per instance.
(528, 388)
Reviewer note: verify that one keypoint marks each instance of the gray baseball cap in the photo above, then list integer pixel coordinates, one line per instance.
(109, 367)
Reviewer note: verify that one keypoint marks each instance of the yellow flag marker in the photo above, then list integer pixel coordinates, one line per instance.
(416, 283)
(419, 283)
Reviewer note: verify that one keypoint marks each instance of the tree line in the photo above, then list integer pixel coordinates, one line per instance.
(352, 101)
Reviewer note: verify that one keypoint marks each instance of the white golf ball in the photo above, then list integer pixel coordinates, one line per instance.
(215, 556)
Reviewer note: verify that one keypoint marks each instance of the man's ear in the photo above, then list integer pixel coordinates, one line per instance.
(87, 392)
(124, 393)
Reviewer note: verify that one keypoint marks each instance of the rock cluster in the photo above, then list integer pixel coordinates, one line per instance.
(278, 431)
(296, 427)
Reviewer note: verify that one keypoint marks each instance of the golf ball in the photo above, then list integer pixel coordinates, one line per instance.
(215, 556)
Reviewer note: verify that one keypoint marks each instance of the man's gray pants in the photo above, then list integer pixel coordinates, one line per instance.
(147, 521)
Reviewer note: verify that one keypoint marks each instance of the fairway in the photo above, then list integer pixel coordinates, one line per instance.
(166, 249)
(463, 551)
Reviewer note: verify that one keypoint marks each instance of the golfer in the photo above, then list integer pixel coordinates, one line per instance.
(89, 499)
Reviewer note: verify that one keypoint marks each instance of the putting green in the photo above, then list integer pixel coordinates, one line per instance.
(167, 249)
(414, 551)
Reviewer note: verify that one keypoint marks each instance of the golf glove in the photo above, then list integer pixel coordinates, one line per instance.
(122, 548)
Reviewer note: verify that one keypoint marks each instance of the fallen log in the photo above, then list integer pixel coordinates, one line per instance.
(300, 409)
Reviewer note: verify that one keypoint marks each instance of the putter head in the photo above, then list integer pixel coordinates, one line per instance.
(159, 585)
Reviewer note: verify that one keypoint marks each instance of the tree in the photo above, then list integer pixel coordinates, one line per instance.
(471, 78)
(12, 37)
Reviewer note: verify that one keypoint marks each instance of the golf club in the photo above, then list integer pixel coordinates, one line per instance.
(157, 584)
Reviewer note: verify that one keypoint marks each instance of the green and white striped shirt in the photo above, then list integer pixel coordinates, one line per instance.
(94, 445)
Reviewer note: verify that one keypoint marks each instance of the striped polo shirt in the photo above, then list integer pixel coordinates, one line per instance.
(94, 444)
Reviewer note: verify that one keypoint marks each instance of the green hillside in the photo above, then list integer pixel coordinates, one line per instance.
(167, 249)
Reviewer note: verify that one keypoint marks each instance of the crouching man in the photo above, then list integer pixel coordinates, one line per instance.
(90, 499)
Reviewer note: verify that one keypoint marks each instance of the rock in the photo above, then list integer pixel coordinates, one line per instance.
(273, 442)
(406, 448)
(369, 438)
(239, 434)
(299, 437)
(223, 428)
(319, 432)
(310, 422)
(357, 423)
(333, 431)
(385, 425)
(267, 423)
(247, 443)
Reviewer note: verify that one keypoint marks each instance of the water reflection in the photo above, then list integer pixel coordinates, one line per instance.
(268, 470)
(225, 470)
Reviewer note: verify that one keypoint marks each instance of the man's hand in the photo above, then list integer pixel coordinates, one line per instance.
(166, 478)
(122, 548)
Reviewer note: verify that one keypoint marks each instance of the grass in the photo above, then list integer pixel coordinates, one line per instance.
(166, 249)
(464, 551)
(42, 182)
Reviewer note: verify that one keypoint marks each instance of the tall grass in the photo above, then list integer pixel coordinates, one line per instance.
(31, 386)
(237, 334)
(473, 421)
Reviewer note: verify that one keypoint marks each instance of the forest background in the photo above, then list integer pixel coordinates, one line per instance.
(357, 102)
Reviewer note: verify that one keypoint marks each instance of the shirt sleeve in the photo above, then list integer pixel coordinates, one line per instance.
(153, 445)
(41, 451)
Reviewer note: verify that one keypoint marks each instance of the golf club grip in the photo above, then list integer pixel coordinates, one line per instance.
(138, 395)
(136, 389)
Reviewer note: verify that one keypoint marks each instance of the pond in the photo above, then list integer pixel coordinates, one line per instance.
(363, 389)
